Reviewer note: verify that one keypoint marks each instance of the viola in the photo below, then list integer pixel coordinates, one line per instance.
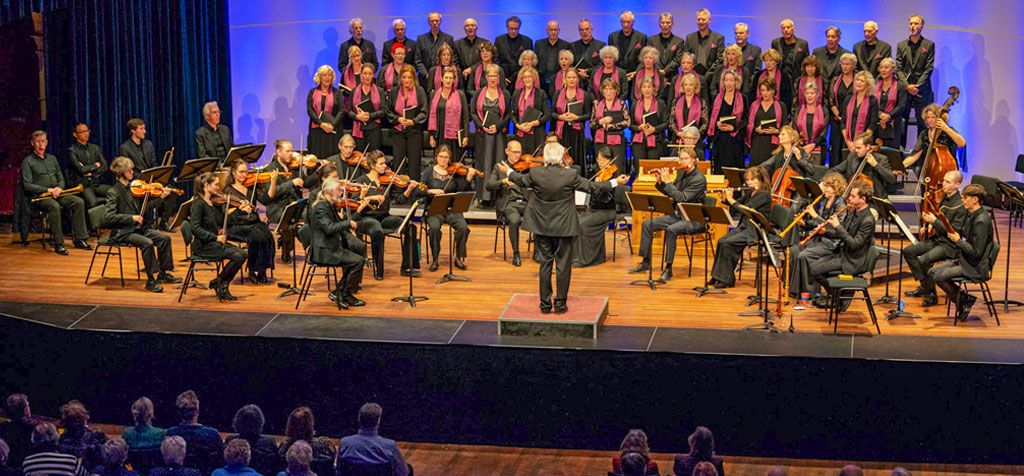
(606, 173)
(141, 189)
(230, 200)
(262, 177)
(357, 159)
(308, 161)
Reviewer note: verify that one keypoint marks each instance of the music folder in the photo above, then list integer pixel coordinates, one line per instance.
(767, 123)
(366, 105)
(491, 119)
(649, 118)
(574, 107)
(731, 120)
(617, 116)
(410, 112)
(530, 114)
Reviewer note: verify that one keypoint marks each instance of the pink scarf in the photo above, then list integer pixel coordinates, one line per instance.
(562, 106)
(598, 72)
(817, 124)
(348, 78)
(389, 77)
(402, 102)
(800, 90)
(890, 101)
(558, 79)
(638, 117)
(525, 102)
(778, 82)
(737, 110)
(862, 115)
(482, 95)
(357, 97)
(692, 116)
(753, 115)
(640, 75)
(317, 98)
(452, 114)
(599, 133)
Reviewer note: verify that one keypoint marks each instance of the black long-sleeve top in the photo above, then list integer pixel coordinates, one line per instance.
(84, 158)
(143, 154)
(422, 106)
(659, 121)
(686, 188)
(332, 113)
(213, 143)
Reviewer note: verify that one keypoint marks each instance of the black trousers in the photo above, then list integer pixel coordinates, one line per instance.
(674, 226)
(236, 258)
(370, 141)
(557, 251)
(800, 279)
(922, 255)
(727, 253)
(459, 226)
(53, 221)
(93, 195)
(408, 144)
(513, 215)
(376, 229)
(943, 276)
(154, 244)
(827, 267)
(642, 152)
(358, 255)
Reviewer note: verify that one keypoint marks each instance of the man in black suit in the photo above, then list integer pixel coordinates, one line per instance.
(586, 51)
(467, 48)
(871, 51)
(669, 46)
(427, 45)
(138, 147)
(706, 45)
(974, 251)
(510, 46)
(87, 167)
(355, 28)
(547, 53)
(331, 244)
(877, 168)
(855, 236)
(398, 26)
(213, 139)
(915, 60)
(629, 42)
(750, 60)
(828, 55)
(792, 48)
(124, 216)
(551, 215)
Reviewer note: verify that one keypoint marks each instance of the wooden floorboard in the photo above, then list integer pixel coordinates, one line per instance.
(31, 274)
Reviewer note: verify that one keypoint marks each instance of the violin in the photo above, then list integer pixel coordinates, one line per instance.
(459, 169)
(400, 181)
(228, 199)
(263, 177)
(357, 159)
(308, 161)
(141, 189)
(606, 173)
(526, 162)
(860, 175)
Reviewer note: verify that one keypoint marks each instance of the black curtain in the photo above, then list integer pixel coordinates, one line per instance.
(111, 60)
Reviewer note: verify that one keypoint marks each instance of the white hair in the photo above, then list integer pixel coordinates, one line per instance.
(206, 107)
(691, 131)
(352, 23)
(625, 14)
(396, 22)
(173, 449)
(553, 153)
(742, 25)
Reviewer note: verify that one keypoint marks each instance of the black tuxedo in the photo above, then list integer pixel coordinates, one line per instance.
(707, 50)
(914, 65)
(120, 208)
(670, 50)
(869, 57)
(792, 59)
(750, 64)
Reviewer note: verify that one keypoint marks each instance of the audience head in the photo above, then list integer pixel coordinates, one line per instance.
(237, 453)
(776, 471)
(702, 444)
(248, 420)
(73, 415)
(142, 408)
(300, 425)
(44, 437)
(18, 408)
(900, 471)
(851, 470)
(299, 457)
(188, 406)
(173, 450)
(114, 453)
(369, 416)
(635, 442)
(633, 464)
(705, 468)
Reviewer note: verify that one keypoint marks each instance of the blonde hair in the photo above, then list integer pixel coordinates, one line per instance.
(773, 55)
(354, 50)
(834, 180)
(691, 78)
(321, 71)
(733, 49)
(865, 76)
(527, 70)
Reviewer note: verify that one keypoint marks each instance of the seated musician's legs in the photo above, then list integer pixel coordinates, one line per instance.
(149, 262)
(938, 253)
(912, 254)
(727, 255)
(53, 221)
(943, 277)
(434, 236)
(822, 269)
(372, 228)
(162, 244)
(647, 238)
(680, 227)
(514, 218)
(801, 279)
(461, 232)
(76, 207)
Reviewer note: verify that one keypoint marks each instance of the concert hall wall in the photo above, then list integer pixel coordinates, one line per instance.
(276, 47)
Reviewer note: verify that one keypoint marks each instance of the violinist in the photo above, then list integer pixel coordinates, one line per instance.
(407, 111)
(490, 112)
(124, 216)
(689, 186)
(245, 224)
(440, 181)
(607, 129)
(367, 110)
(374, 217)
(731, 246)
(510, 199)
(727, 145)
(448, 120)
(209, 240)
(831, 202)
(891, 94)
(973, 250)
(766, 117)
(532, 99)
(588, 249)
(347, 154)
(789, 141)
(811, 121)
(568, 125)
(282, 194)
(331, 243)
(854, 235)
(938, 247)
(690, 109)
(650, 119)
(938, 132)
(877, 168)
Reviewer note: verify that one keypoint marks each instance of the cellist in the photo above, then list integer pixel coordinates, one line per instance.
(799, 162)
(937, 125)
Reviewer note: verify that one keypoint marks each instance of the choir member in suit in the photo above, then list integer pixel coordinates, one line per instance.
(547, 53)
(284, 192)
(375, 218)
(366, 120)
(609, 131)
(565, 61)
(938, 131)
(648, 131)
(325, 108)
(448, 120)
(490, 113)
(440, 181)
(871, 51)
(690, 110)
(750, 58)
(810, 74)
(792, 49)
(811, 122)
(800, 280)
(837, 96)
(774, 72)
(528, 59)
(766, 117)
(570, 126)
(551, 215)
(608, 70)
(445, 61)
(245, 223)
(408, 44)
(686, 67)
(915, 60)
(367, 50)
(731, 61)
(388, 77)
(124, 216)
(973, 249)
(427, 45)
(530, 134)
(854, 235)
(588, 249)
(829, 55)
(87, 167)
(510, 199)
(648, 70)
(510, 46)
(138, 147)
(728, 146)
(407, 110)
(467, 48)
(586, 51)
(861, 113)
(478, 77)
(891, 94)
(877, 168)
(669, 47)
(209, 240)
(731, 246)
(334, 244)
(213, 139)
(629, 42)
(706, 45)
(937, 247)
(40, 173)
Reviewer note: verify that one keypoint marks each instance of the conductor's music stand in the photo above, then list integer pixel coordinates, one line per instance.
(1016, 200)
(444, 205)
(248, 152)
(290, 218)
(709, 215)
(400, 233)
(651, 203)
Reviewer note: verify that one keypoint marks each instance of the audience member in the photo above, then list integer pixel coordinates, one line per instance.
(18, 432)
(301, 426)
(237, 454)
(299, 457)
(633, 464)
(114, 453)
(705, 468)
(143, 435)
(248, 423)
(203, 443)
(5, 468)
(173, 450)
(367, 448)
(851, 470)
(702, 448)
(635, 442)
(776, 471)
(78, 439)
(43, 459)
(900, 471)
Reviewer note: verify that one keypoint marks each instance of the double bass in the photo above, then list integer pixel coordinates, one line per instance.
(938, 159)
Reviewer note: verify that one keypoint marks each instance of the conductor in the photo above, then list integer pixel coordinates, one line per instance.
(551, 215)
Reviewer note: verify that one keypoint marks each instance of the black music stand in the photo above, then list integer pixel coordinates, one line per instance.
(764, 247)
(161, 174)
(651, 203)
(290, 218)
(248, 152)
(893, 217)
(411, 298)
(1016, 201)
(193, 168)
(733, 176)
(183, 212)
(807, 188)
(709, 215)
(444, 205)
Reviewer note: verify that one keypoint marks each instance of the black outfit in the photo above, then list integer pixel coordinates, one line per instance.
(761, 146)
(330, 245)
(83, 168)
(408, 142)
(793, 55)
(509, 202)
(586, 57)
(728, 149)
(551, 215)
(509, 50)
(531, 140)
(467, 52)
(686, 188)
(366, 46)
(828, 64)
(871, 121)
(410, 52)
(615, 132)
(285, 192)
(892, 134)
(870, 56)
(939, 247)
(426, 52)
(924, 141)
(41, 173)
(206, 220)
(263, 452)
(784, 88)
(731, 246)
(489, 149)
(641, 150)
(378, 222)
(213, 143)
(254, 232)
(707, 50)
(800, 280)
(320, 143)
(588, 249)
(669, 48)
(685, 464)
(450, 184)
(371, 139)
(629, 48)
(702, 124)
(573, 139)
(438, 132)
(120, 208)
(881, 174)
(854, 237)
(914, 65)
(143, 154)
(805, 125)
(839, 94)
(973, 252)
(750, 67)
(547, 59)
(801, 165)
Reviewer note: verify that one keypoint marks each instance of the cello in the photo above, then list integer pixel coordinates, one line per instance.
(782, 179)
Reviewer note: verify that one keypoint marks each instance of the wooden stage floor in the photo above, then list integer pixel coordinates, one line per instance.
(33, 275)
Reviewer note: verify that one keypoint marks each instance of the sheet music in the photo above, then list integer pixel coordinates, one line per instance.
(582, 198)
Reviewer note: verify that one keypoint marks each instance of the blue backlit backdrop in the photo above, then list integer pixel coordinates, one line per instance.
(276, 47)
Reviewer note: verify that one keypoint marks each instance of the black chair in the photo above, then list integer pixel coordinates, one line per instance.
(844, 289)
(198, 263)
(96, 216)
(310, 268)
(982, 284)
(501, 227)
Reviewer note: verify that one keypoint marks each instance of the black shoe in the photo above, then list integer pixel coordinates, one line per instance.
(215, 283)
(286, 257)
(433, 265)
(516, 260)
(822, 302)
(224, 295)
(60, 249)
(415, 273)
(561, 309)
(545, 310)
(378, 276)
(643, 267)
(666, 274)
(844, 304)
(920, 291)
(167, 278)
(153, 286)
(82, 245)
(963, 311)
(459, 263)
(720, 285)
(333, 296)
(930, 299)
(353, 301)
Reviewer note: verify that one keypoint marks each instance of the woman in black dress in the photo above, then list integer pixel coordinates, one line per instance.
(445, 60)
(448, 122)
(765, 118)
(861, 112)
(407, 110)
(891, 94)
(608, 130)
(531, 96)
(490, 113)
(837, 96)
(570, 126)
(725, 123)
(608, 70)
(650, 118)
(245, 223)
(208, 240)
(367, 111)
(439, 181)
(773, 71)
(730, 246)
(811, 121)
(325, 107)
(588, 249)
